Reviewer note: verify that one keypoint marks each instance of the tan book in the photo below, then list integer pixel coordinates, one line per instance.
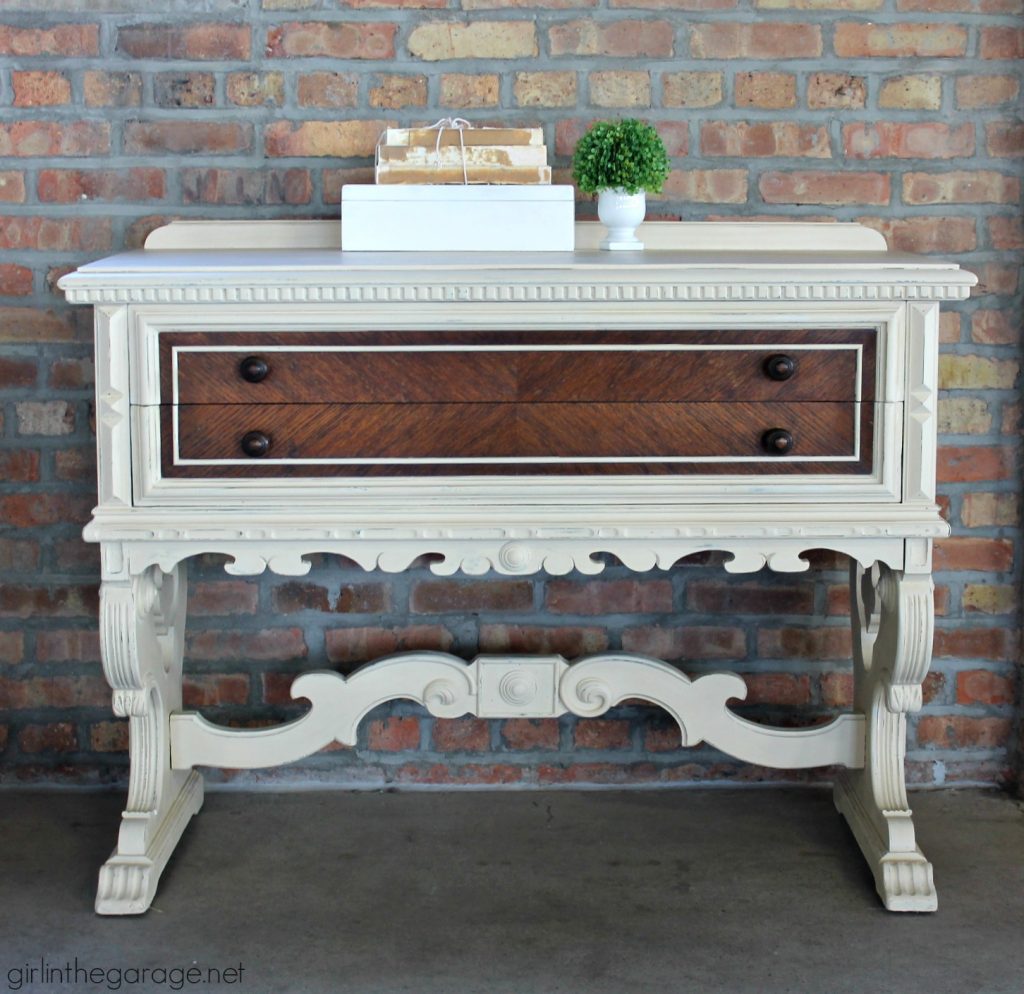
(451, 156)
(525, 176)
(427, 137)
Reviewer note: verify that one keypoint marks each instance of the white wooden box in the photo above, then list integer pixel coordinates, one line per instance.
(457, 218)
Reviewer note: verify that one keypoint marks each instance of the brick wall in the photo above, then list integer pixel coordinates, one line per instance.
(118, 114)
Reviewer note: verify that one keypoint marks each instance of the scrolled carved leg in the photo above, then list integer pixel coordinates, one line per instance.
(893, 619)
(142, 626)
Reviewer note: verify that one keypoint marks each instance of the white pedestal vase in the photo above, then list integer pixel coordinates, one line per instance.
(621, 213)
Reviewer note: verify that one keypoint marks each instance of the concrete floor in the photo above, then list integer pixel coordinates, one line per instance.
(524, 893)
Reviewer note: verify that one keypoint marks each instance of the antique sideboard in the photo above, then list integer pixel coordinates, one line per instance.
(756, 389)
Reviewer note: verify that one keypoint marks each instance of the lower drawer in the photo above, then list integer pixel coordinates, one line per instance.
(260, 441)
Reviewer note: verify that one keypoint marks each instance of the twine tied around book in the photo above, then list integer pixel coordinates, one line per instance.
(451, 123)
(458, 124)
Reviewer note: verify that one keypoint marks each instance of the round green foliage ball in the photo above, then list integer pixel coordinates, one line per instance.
(627, 155)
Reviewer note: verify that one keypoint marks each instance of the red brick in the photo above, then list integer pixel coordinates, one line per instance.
(764, 40)
(1004, 139)
(16, 373)
(465, 773)
(926, 234)
(363, 598)
(65, 40)
(601, 733)
(804, 643)
(777, 688)
(12, 186)
(899, 41)
(994, 277)
(58, 737)
(570, 642)
(359, 645)
(32, 325)
(337, 139)
(51, 602)
(31, 510)
(975, 643)
(443, 596)
(913, 140)
(246, 186)
(393, 734)
(396, 4)
(112, 89)
(393, 91)
(689, 5)
(984, 554)
(691, 642)
(462, 734)
(76, 464)
(1002, 43)
(328, 89)
(962, 187)
(604, 773)
(969, 463)
(602, 597)
(750, 597)
(70, 186)
(184, 89)
(55, 692)
(12, 647)
(769, 90)
(68, 645)
(271, 643)
(255, 89)
(215, 689)
(825, 188)
(992, 327)
(40, 89)
(836, 690)
(706, 186)
(178, 137)
(1006, 233)
(72, 374)
(755, 139)
(207, 598)
(983, 687)
(986, 91)
(109, 736)
(961, 732)
(336, 39)
(622, 39)
(530, 733)
(662, 737)
(75, 556)
(211, 40)
(18, 555)
(49, 138)
(836, 90)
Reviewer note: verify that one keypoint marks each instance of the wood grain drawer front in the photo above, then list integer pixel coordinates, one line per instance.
(510, 367)
(416, 439)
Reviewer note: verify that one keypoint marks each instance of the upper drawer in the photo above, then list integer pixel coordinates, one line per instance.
(516, 367)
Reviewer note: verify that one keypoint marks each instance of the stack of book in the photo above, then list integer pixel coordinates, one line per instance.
(454, 155)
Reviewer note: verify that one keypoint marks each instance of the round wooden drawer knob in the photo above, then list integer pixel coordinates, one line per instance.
(255, 444)
(254, 369)
(780, 367)
(777, 441)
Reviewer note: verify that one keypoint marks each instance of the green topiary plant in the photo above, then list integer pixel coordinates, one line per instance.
(620, 155)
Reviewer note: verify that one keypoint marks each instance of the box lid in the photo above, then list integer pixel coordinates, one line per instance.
(435, 193)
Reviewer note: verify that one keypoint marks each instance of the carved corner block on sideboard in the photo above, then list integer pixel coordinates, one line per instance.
(519, 414)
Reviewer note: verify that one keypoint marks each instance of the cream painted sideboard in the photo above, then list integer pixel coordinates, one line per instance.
(756, 389)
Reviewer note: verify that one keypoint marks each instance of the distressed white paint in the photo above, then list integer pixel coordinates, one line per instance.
(800, 276)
